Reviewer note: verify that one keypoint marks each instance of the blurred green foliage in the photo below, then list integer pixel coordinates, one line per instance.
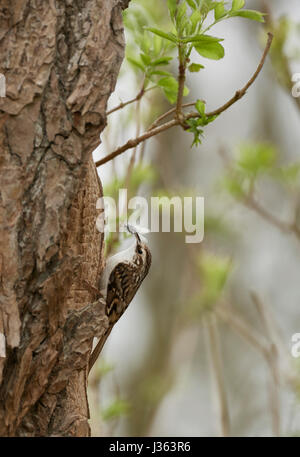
(154, 388)
(103, 368)
(115, 410)
(140, 175)
(255, 160)
(213, 272)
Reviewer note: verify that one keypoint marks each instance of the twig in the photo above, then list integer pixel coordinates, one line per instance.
(142, 152)
(171, 111)
(266, 8)
(213, 344)
(135, 99)
(272, 361)
(134, 142)
(250, 202)
(148, 134)
(273, 392)
(268, 350)
(285, 227)
(239, 93)
(243, 329)
(264, 317)
(181, 80)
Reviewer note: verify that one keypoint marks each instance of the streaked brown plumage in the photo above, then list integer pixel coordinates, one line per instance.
(124, 281)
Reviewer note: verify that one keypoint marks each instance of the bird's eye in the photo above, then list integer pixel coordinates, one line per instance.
(140, 250)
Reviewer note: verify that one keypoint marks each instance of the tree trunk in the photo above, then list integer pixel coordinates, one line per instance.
(60, 61)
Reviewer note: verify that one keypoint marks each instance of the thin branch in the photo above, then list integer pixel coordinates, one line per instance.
(142, 152)
(268, 350)
(250, 202)
(135, 99)
(213, 345)
(155, 131)
(272, 361)
(134, 142)
(171, 111)
(285, 227)
(243, 329)
(254, 205)
(181, 80)
(239, 93)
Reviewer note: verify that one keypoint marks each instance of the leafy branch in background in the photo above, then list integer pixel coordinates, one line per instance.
(254, 162)
(211, 305)
(189, 23)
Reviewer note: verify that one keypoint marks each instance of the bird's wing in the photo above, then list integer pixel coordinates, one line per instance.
(121, 287)
(120, 292)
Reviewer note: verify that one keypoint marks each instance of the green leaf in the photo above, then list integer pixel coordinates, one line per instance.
(172, 7)
(210, 119)
(181, 13)
(182, 21)
(169, 83)
(159, 73)
(195, 67)
(157, 44)
(186, 91)
(136, 63)
(256, 158)
(201, 39)
(249, 14)
(214, 271)
(170, 88)
(195, 19)
(289, 174)
(234, 184)
(192, 4)
(146, 59)
(220, 11)
(200, 107)
(210, 50)
(237, 5)
(145, 42)
(161, 33)
(170, 95)
(161, 61)
(195, 130)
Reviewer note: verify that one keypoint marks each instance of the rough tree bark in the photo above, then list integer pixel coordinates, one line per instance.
(61, 61)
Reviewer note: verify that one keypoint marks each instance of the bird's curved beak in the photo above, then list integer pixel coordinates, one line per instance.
(133, 231)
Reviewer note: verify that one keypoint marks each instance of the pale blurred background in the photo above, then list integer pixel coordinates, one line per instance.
(170, 368)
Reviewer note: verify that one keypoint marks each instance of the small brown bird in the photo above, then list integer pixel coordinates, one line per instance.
(121, 279)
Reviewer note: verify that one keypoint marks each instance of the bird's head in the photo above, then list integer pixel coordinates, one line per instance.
(142, 255)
